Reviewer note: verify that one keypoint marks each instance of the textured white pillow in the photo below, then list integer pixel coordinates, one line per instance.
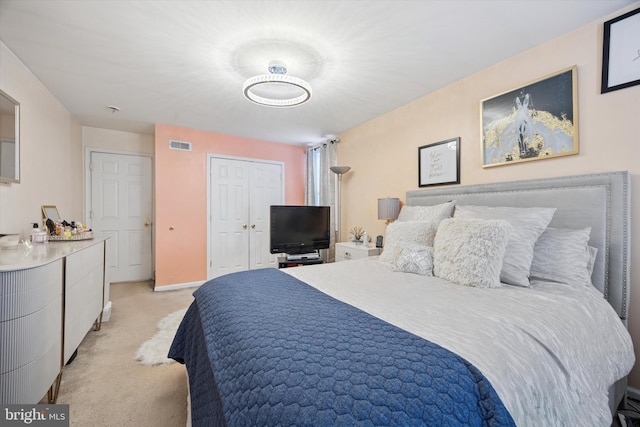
(434, 213)
(470, 252)
(593, 253)
(528, 224)
(415, 258)
(562, 255)
(398, 233)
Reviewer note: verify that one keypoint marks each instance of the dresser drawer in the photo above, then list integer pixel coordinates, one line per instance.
(347, 251)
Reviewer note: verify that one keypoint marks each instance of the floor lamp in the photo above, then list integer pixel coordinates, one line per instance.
(339, 170)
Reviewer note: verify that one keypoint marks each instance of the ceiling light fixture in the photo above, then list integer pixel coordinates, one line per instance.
(277, 89)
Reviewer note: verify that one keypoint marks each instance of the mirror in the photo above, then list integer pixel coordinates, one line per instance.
(50, 212)
(9, 139)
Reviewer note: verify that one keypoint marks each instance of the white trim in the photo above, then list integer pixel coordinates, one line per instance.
(178, 286)
(245, 159)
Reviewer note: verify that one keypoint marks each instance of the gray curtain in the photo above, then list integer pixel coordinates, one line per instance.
(321, 185)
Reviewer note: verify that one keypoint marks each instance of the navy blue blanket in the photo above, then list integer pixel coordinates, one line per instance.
(263, 349)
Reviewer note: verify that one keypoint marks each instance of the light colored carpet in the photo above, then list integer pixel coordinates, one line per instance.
(154, 350)
(106, 386)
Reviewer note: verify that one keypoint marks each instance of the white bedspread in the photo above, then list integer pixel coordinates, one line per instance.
(550, 351)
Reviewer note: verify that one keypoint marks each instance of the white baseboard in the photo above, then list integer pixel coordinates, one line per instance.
(633, 393)
(106, 312)
(178, 286)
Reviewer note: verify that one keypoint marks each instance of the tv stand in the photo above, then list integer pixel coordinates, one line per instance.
(286, 262)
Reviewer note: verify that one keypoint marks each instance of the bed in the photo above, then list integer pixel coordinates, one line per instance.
(444, 328)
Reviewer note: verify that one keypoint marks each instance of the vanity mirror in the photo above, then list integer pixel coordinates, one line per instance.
(50, 212)
(9, 139)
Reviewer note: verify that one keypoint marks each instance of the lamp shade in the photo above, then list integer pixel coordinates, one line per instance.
(340, 170)
(388, 208)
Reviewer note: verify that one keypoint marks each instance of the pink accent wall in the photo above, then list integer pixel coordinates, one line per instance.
(181, 194)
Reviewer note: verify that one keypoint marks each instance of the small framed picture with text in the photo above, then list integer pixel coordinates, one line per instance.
(439, 163)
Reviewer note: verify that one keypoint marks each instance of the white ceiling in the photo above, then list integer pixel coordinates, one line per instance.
(183, 63)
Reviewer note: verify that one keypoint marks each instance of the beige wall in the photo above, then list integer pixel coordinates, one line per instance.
(50, 152)
(51, 157)
(383, 152)
(117, 141)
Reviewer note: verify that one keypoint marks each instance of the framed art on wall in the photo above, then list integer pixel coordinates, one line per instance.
(621, 52)
(536, 121)
(439, 163)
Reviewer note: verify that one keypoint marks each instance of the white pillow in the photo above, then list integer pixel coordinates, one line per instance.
(593, 253)
(562, 255)
(470, 252)
(434, 213)
(415, 258)
(398, 233)
(528, 224)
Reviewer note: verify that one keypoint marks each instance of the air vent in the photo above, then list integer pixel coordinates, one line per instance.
(174, 144)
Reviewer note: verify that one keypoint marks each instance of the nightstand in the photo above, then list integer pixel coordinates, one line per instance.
(349, 250)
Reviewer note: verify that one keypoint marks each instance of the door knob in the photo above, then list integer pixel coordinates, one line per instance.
(253, 226)
(147, 223)
(244, 226)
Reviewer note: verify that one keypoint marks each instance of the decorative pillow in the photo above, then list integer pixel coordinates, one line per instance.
(422, 232)
(528, 224)
(562, 255)
(470, 252)
(415, 258)
(434, 213)
(593, 253)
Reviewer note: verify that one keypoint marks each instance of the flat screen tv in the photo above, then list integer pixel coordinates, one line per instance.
(299, 230)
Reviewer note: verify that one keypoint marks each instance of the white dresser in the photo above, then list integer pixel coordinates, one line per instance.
(349, 250)
(50, 297)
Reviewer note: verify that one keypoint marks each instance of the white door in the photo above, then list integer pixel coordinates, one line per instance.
(121, 207)
(265, 190)
(229, 207)
(241, 192)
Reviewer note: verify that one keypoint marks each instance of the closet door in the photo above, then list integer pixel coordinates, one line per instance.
(265, 190)
(241, 192)
(229, 238)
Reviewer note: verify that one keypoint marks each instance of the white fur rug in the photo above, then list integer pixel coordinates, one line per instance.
(154, 351)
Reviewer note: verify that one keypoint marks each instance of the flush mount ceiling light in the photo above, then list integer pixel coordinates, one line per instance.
(277, 89)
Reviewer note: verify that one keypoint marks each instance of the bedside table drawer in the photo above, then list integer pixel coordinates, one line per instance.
(347, 251)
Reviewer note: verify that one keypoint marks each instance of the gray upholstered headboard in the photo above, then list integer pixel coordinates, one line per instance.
(599, 201)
